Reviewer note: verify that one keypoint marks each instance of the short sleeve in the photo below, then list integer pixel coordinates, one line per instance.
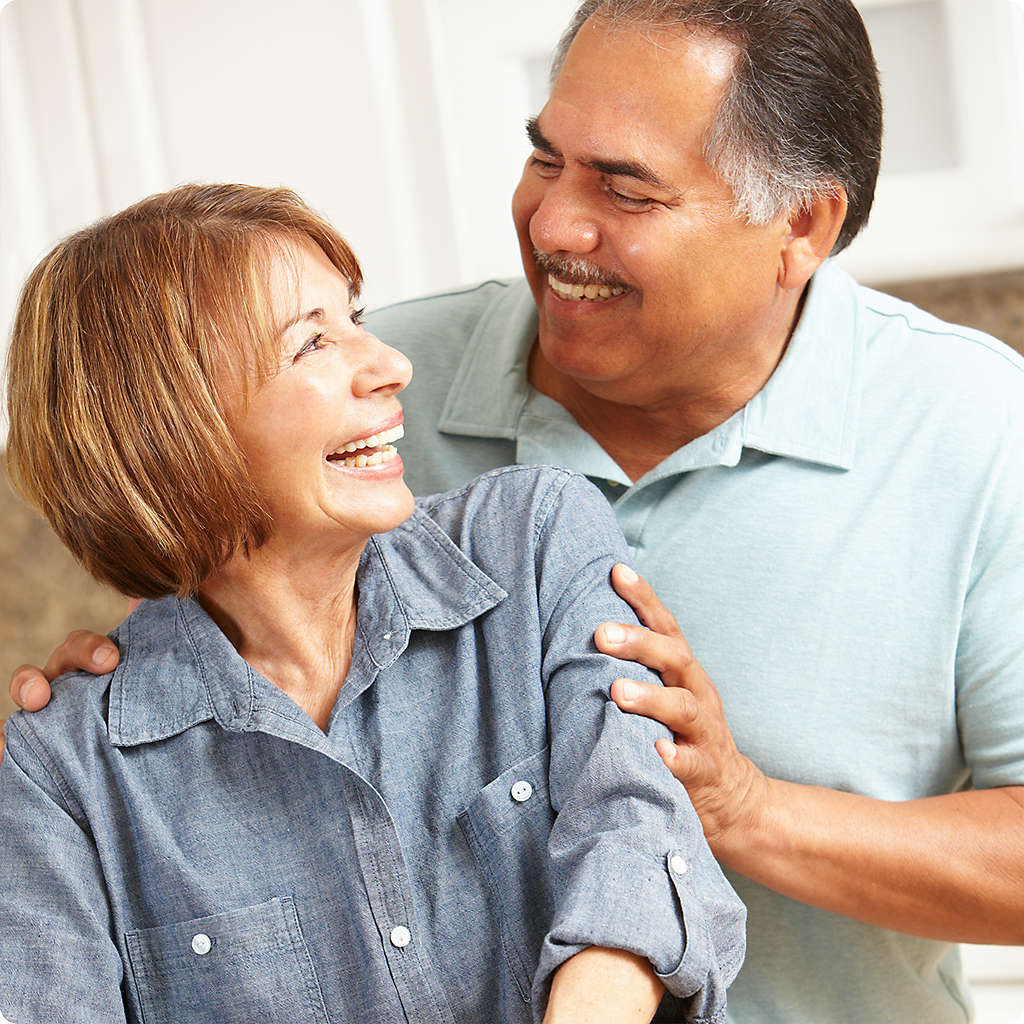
(990, 649)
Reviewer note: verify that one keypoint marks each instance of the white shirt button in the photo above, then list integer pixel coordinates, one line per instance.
(201, 944)
(677, 864)
(521, 791)
(400, 936)
(388, 635)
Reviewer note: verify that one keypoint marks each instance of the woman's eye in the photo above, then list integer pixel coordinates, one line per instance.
(312, 345)
(356, 316)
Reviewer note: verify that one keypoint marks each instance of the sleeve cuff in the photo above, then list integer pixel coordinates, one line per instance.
(682, 918)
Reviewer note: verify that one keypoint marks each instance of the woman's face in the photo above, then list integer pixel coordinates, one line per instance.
(316, 436)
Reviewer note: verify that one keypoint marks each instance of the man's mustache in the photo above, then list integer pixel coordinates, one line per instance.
(576, 270)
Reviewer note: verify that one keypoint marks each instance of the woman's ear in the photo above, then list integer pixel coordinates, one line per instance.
(813, 231)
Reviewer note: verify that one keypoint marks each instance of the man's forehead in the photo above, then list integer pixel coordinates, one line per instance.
(656, 47)
(636, 93)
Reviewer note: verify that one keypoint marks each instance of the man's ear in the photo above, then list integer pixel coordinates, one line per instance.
(812, 234)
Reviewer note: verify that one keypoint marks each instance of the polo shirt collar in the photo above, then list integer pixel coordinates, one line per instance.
(807, 410)
(489, 390)
(178, 669)
(810, 406)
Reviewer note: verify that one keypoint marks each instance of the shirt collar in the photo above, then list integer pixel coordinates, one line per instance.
(807, 410)
(489, 390)
(178, 669)
(809, 407)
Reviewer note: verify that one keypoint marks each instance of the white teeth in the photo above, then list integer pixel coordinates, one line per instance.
(581, 292)
(375, 440)
(362, 461)
(381, 442)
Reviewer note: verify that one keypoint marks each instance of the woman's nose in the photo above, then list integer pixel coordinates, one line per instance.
(386, 371)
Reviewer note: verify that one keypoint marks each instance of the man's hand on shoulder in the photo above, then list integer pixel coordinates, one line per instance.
(727, 789)
(82, 651)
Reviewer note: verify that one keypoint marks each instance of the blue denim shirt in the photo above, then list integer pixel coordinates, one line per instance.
(180, 843)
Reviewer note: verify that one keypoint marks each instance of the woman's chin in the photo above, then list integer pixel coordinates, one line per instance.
(377, 508)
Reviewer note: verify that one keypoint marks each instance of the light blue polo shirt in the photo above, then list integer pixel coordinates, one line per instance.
(845, 555)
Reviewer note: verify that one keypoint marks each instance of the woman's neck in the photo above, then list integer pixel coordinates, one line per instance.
(292, 617)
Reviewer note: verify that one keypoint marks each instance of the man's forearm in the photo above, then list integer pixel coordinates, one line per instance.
(946, 867)
(603, 986)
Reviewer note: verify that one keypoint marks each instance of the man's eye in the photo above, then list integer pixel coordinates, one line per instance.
(629, 202)
(543, 166)
(312, 345)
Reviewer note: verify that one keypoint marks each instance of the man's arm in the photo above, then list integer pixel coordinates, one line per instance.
(603, 985)
(946, 867)
(82, 651)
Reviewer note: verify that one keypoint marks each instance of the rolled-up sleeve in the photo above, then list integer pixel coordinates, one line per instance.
(57, 959)
(631, 868)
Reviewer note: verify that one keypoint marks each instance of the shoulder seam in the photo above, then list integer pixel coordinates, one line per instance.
(60, 785)
(964, 333)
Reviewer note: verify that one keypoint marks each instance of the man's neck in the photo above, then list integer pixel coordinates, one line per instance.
(642, 431)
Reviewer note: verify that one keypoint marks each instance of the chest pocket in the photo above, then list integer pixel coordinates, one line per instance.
(248, 966)
(507, 825)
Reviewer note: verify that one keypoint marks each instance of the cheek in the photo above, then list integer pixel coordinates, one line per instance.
(525, 201)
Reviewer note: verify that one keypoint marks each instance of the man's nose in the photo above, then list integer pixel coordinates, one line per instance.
(564, 222)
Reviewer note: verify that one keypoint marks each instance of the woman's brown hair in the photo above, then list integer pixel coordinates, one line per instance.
(131, 343)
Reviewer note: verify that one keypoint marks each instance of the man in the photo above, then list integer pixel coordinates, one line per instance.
(821, 482)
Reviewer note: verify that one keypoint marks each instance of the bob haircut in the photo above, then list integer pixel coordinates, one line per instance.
(134, 342)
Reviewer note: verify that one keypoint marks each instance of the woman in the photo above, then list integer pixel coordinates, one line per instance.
(356, 763)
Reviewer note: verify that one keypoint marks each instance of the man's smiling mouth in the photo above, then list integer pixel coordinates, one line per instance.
(576, 279)
(584, 292)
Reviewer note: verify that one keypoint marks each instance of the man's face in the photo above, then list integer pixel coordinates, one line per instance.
(617, 195)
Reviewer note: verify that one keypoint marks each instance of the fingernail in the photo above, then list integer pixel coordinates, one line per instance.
(630, 691)
(614, 633)
(26, 689)
(628, 576)
(102, 655)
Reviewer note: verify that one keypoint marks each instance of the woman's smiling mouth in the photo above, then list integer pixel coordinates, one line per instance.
(373, 450)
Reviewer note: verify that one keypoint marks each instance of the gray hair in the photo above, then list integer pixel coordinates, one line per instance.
(803, 114)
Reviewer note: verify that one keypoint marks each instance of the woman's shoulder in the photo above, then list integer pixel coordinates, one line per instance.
(86, 711)
(61, 735)
(522, 510)
(515, 497)
(518, 483)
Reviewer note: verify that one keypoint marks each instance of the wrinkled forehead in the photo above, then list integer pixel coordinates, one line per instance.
(639, 92)
(633, 51)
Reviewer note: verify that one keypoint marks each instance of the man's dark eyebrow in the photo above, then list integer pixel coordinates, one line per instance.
(613, 168)
(629, 169)
(538, 139)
